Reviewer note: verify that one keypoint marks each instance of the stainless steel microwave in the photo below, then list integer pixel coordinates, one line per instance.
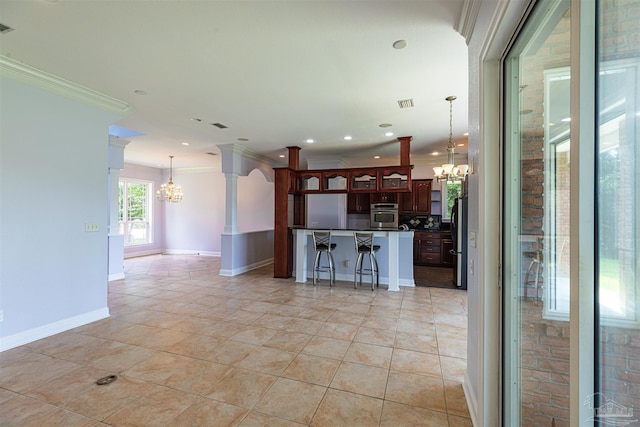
(384, 215)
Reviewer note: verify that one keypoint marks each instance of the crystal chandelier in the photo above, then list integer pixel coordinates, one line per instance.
(449, 171)
(169, 192)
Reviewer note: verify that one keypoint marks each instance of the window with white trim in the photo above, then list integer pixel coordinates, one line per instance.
(135, 211)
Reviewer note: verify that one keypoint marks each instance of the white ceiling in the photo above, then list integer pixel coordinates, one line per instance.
(274, 72)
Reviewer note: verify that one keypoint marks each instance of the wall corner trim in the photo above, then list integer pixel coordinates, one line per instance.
(34, 77)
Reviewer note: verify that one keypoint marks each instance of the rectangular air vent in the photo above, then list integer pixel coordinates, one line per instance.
(4, 29)
(219, 125)
(405, 103)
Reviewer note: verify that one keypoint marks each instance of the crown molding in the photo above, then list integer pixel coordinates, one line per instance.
(467, 19)
(34, 77)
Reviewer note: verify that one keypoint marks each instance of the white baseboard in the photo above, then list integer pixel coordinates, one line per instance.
(245, 268)
(116, 276)
(189, 252)
(472, 402)
(45, 331)
(142, 253)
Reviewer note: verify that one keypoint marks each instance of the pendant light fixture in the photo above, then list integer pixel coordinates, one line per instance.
(449, 171)
(169, 192)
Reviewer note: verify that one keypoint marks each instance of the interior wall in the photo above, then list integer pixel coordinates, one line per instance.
(53, 180)
(195, 224)
(255, 203)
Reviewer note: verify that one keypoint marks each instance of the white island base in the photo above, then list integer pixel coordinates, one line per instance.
(395, 257)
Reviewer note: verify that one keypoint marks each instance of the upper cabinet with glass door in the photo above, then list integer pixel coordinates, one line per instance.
(395, 179)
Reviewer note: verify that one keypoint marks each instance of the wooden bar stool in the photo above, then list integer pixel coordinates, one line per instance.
(365, 246)
(322, 244)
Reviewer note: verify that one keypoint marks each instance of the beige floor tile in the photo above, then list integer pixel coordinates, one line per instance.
(327, 347)
(292, 400)
(32, 370)
(455, 421)
(256, 419)
(312, 369)
(416, 342)
(289, 341)
(369, 354)
(99, 402)
(267, 360)
(253, 335)
(178, 328)
(456, 402)
(207, 412)
(157, 407)
(453, 368)
(197, 377)
(375, 336)
(341, 331)
(361, 379)
(416, 362)
(340, 408)
(241, 387)
(396, 414)
(416, 390)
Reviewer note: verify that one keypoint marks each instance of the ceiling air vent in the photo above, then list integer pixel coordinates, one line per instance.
(4, 29)
(405, 103)
(211, 154)
(218, 125)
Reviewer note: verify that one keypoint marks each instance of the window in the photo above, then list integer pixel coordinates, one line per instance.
(453, 190)
(134, 211)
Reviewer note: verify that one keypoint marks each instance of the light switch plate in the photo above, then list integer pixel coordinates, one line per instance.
(472, 238)
(91, 227)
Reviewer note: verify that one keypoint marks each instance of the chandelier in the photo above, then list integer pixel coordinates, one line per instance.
(449, 171)
(169, 192)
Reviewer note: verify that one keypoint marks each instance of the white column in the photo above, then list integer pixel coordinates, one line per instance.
(231, 203)
(115, 269)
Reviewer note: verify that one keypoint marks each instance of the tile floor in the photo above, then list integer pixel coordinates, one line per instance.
(192, 348)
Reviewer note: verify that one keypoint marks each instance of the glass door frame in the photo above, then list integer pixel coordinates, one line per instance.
(583, 339)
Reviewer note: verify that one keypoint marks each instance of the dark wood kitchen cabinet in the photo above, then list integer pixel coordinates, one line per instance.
(418, 202)
(384, 197)
(447, 258)
(433, 248)
(359, 203)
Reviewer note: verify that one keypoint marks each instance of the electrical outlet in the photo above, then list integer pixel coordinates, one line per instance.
(346, 263)
(90, 227)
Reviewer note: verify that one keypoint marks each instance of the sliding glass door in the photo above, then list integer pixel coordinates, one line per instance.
(570, 306)
(618, 206)
(537, 220)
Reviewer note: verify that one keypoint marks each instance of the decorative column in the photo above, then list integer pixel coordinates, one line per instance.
(115, 239)
(231, 203)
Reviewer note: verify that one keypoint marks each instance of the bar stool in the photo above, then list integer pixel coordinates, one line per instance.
(365, 246)
(322, 244)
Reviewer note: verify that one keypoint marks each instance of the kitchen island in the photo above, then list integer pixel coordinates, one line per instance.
(395, 257)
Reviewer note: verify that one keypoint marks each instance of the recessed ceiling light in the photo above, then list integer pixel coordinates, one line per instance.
(243, 139)
(435, 153)
(388, 134)
(140, 92)
(466, 134)
(195, 119)
(385, 125)
(309, 141)
(376, 157)
(281, 156)
(460, 145)
(399, 44)
(566, 119)
(185, 144)
(348, 138)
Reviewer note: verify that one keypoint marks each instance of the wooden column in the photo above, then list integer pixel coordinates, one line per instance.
(294, 158)
(405, 150)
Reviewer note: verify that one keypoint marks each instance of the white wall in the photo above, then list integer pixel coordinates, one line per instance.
(195, 224)
(53, 180)
(255, 203)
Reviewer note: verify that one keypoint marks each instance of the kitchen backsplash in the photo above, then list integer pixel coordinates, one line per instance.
(421, 222)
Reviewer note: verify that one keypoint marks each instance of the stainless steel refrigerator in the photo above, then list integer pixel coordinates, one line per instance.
(459, 237)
